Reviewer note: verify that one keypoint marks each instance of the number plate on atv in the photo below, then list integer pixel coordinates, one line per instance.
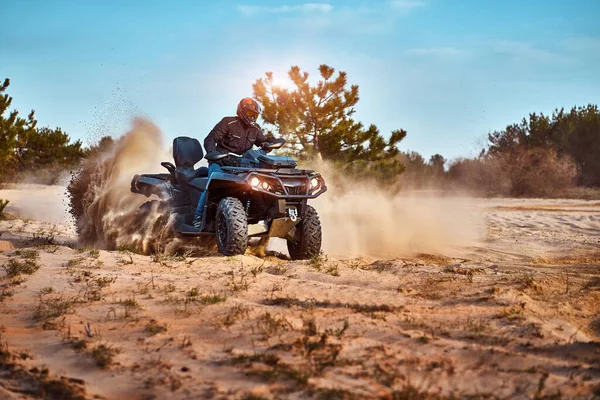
(293, 213)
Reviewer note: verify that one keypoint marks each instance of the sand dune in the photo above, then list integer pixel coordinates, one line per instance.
(513, 315)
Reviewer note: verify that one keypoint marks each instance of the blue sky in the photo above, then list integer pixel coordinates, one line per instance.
(447, 71)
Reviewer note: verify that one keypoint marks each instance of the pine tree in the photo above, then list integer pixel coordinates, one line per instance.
(13, 130)
(317, 121)
(26, 148)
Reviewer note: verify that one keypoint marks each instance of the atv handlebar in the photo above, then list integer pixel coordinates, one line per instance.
(268, 146)
(275, 144)
(215, 155)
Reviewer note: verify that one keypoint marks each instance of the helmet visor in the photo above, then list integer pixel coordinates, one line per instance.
(251, 114)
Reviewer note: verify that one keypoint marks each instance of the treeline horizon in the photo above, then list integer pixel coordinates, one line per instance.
(542, 155)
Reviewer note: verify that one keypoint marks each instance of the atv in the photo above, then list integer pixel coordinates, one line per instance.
(261, 196)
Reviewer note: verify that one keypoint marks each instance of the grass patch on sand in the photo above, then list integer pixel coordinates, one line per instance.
(104, 355)
(48, 307)
(153, 327)
(15, 267)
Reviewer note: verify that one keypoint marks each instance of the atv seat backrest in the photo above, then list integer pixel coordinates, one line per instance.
(186, 152)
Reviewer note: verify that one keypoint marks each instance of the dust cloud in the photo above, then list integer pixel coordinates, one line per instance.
(366, 220)
(361, 220)
(374, 224)
(107, 214)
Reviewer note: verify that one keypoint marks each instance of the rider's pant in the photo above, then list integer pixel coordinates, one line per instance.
(212, 168)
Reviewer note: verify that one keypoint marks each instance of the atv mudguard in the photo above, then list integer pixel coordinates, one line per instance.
(149, 185)
(220, 184)
(223, 179)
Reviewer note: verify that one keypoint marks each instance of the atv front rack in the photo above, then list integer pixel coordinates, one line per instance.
(282, 171)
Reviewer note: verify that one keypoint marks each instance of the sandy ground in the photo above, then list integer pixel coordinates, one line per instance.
(515, 316)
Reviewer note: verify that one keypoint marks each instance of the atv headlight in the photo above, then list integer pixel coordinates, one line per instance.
(314, 183)
(254, 182)
(265, 185)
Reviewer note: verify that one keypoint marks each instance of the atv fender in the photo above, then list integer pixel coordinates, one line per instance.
(217, 185)
(222, 179)
(220, 182)
(148, 185)
(199, 183)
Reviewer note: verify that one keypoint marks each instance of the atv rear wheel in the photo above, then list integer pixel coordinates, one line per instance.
(307, 239)
(231, 227)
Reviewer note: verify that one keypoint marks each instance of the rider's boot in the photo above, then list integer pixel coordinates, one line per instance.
(197, 221)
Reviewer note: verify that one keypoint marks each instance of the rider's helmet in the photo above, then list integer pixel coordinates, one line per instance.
(248, 110)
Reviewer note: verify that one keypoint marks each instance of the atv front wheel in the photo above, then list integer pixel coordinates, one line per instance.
(307, 239)
(231, 227)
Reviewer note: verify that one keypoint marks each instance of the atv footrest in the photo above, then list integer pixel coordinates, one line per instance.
(189, 230)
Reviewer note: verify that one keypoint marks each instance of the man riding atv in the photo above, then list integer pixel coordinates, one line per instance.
(232, 135)
(244, 194)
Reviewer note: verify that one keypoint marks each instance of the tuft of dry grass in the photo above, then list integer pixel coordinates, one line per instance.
(268, 324)
(74, 262)
(130, 306)
(311, 352)
(5, 292)
(52, 306)
(104, 355)
(153, 327)
(77, 344)
(257, 270)
(28, 254)
(212, 298)
(15, 267)
(236, 313)
(236, 285)
(319, 261)
(169, 288)
(332, 269)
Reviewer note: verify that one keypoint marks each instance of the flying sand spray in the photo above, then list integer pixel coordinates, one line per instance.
(361, 221)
